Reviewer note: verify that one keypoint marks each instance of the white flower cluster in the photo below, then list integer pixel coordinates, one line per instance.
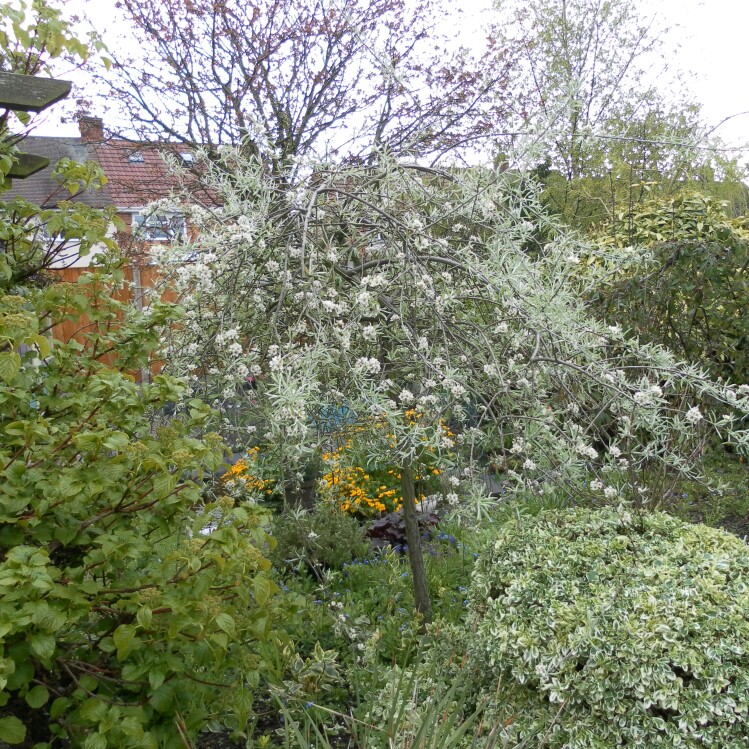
(610, 492)
(586, 450)
(457, 390)
(647, 397)
(367, 365)
(693, 415)
(369, 333)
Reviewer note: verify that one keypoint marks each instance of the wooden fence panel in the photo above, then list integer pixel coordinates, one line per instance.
(150, 282)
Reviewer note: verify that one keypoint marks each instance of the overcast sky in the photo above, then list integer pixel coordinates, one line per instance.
(711, 34)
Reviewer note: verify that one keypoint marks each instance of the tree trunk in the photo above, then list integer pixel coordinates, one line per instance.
(413, 537)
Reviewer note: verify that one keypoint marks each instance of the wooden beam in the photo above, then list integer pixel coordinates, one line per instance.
(27, 165)
(28, 93)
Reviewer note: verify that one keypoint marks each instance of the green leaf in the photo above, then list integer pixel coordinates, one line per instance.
(70, 485)
(144, 617)
(43, 645)
(226, 623)
(95, 741)
(23, 674)
(262, 588)
(164, 484)
(59, 707)
(93, 709)
(156, 676)
(12, 731)
(162, 698)
(125, 640)
(117, 441)
(37, 696)
(10, 364)
(43, 344)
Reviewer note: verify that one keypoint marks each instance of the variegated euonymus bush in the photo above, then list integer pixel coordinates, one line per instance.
(394, 288)
(616, 628)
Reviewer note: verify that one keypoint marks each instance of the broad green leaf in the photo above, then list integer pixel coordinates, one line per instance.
(95, 741)
(144, 616)
(43, 344)
(70, 485)
(43, 645)
(125, 640)
(12, 731)
(10, 364)
(164, 484)
(93, 709)
(262, 588)
(163, 697)
(117, 441)
(37, 696)
(226, 623)
(156, 676)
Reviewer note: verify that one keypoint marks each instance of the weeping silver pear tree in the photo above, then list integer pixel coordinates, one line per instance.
(405, 294)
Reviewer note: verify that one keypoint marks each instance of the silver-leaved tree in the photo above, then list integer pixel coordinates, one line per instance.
(409, 297)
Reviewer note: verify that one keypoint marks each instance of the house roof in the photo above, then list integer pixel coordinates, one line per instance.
(136, 172)
(41, 188)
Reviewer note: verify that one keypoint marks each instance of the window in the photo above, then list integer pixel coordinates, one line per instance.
(135, 157)
(159, 227)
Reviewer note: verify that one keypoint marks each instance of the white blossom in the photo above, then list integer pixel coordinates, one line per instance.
(693, 416)
(367, 365)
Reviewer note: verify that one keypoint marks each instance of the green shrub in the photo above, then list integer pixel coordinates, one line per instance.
(325, 538)
(130, 599)
(686, 284)
(616, 629)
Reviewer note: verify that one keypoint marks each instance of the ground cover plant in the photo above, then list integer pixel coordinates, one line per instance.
(364, 610)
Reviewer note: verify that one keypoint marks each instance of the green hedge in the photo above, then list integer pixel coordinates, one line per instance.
(616, 629)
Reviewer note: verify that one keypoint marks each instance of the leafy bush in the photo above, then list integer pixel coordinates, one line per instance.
(686, 284)
(326, 538)
(128, 595)
(617, 630)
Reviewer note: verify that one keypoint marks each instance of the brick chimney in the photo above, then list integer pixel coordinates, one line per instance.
(91, 129)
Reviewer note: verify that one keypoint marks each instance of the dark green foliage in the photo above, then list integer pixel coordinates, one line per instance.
(689, 287)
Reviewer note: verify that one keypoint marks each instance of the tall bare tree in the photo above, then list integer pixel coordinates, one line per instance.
(290, 78)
